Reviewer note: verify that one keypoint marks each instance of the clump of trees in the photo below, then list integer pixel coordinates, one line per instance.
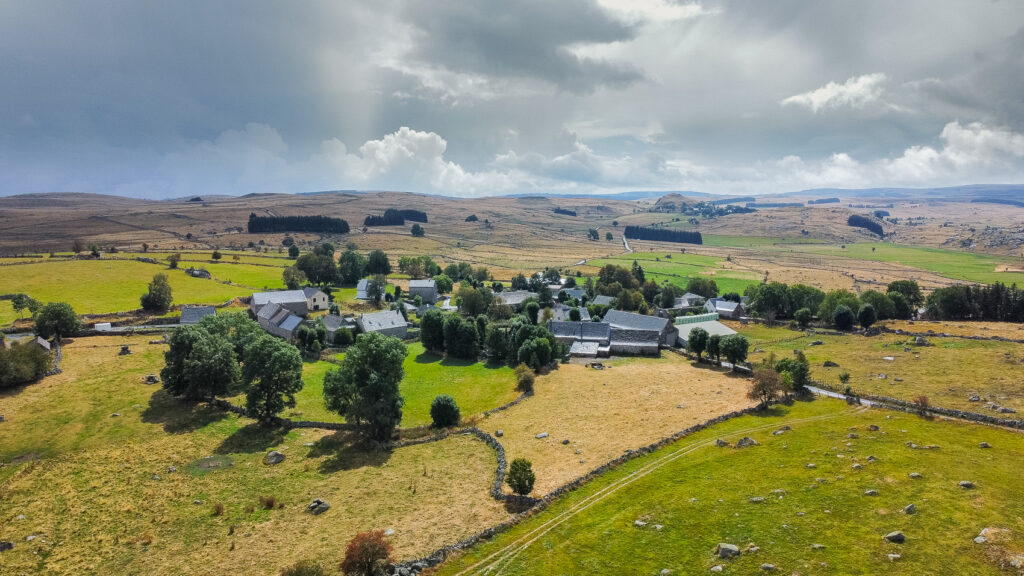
(735, 348)
(158, 298)
(663, 235)
(417, 231)
(521, 477)
(22, 302)
(319, 224)
(564, 211)
(870, 224)
(365, 388)
(418, 266)
(22, 364)
(996, 302)
(293, 277)
(395, 217)
(57, 320)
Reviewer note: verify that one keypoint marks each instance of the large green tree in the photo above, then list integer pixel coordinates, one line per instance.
(771, 300)
(697, 341)
(199, 365)
(365, 388)
(378, 263)
(293, 277)
(910, 290)
(272, 372)
(351, 267)
(57, 319)
(735, 348)
(158, 298)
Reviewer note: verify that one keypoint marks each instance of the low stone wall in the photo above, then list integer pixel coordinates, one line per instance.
(903, 332)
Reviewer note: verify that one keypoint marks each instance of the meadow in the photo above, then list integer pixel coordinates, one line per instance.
(103, 286)
(948, 372)
(798, 500)
(679, 268)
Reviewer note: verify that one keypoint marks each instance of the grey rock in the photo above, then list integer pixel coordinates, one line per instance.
(896, 537)
(274, 457)
(974, 398)
(767, 567)
(5, 546)
(966, 484)
(724, 550)
(871, 492)
(639, 523)
(197, 502)
(746, 441)
(565, 442)
(980, 540)
(873, 428)
(756, 499)
(852, 436)
(499, 433)
(1006, 410)
(894, 557)
(984, 445)
(811, 465)
(115, 415)
(829, 364)
(155, 477)
(665, 572)
(721, 443)
(389, 532)
(817, 343)
(542, 435)
(914, 475)
(817, 546)
(172, 468)
(872, 459)
(716, 568)
(317, 507)
(152, 379)
(910, 509)
(856, 466)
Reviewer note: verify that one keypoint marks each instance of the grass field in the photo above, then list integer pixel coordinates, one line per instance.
(948, 372)
(98, 493)
(476, 387)
(100, 286)
(700, 495)
(681, 267)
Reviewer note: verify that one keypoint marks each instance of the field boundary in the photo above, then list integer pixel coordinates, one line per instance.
(902, 332)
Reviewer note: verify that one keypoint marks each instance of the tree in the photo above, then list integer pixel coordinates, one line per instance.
(198, 365)
(216, 255)
(377, 288)
(272, 371)
(803, 317)
(900, 307)
(797, 369)
(638, 272)
(843, 317)
(884, 307)
(417, 231)
(544, 297)
(22, 302)
(552, 275)
(318, 268)
(351, 267)
(443, 283)
(57, 320)
(574, 315)
(293, 277)
(735, 348)
(771, 300)
(524, 379)
(766, 386)
(471, 301)
(714, 347)
(867, 316)
(158, 298)
(432, 331)
(444, 412)
(172, 261)
(365, 389)
(705, 287)
(910, 290)
(378, 263)
(592, 234)
(698, 341)
(77, 246)
(833, 300)
(608, 236)
(367, 554)
(293, 251)
(521, 477)
(532, 309)
(535, 353)
(803, 296)
(519, 282)
(235, 327)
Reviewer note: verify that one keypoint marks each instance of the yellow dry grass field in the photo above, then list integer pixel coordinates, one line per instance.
(99, 495)
(983, 329)
(606, 412)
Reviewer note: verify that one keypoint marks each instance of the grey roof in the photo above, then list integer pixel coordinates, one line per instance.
(639, 337)
(334, 323)
(574, 292)
(428, 283)
(268, 311)
(584, 349)
(290, 322)
(193, 314)
(363, 284)
(39, 341)
(713, 328)
(603, 300)
(376, 321)
(309, 292)
(726, 305)
(620, 319)
(279, 297)
(515, 297)
(596, 331)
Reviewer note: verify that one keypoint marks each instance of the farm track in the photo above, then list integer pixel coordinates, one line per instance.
(500, 559)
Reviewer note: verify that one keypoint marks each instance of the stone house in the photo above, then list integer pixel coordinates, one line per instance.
(425, 289)
(389, 322)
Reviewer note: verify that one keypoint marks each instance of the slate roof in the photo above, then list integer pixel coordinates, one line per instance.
(629, 320)
(723, 305)
(603, 300)
(713, 327)
(574, 292)
(290, 322)
(334, 323)
(309, 292)
(626, 336)
(39, 341)
(376, 321)
(193, 314)
(278, 297)
(593, 331)
(588, 349)
(515, 297)
(428, 283)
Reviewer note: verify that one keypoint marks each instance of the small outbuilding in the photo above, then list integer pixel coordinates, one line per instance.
(389, 322)
(193, 314)
(425, 289)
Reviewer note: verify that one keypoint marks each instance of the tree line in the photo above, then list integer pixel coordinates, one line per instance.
(564, 211)
(395, 217)
(839, 308)
(320, 224)
(859, 221)
(663, 235)
(997, 302)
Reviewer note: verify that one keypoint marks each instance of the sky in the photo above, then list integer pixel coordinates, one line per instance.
(477, 98)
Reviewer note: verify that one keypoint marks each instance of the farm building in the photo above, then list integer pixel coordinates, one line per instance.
(628, 321)
(586, 339)
(561, 312)
(315, 299)
(293, 300)
(425, 289)
(193, 314)
(40, 342)
(635, 341)
(389, 322)
(708, 322)
(515, 298)
(576, 293)
(335, 323)
(278, 320)
(603, 300)
(688, 300)
(725, 308)
(363, 289)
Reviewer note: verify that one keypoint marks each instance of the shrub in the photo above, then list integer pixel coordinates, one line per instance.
(844, 377)
(268, 502)
(521, 476)
(524, 378)
(367, 554)
(802, 317)
(444, 411)
(922, 404)
(766, 386)
(218, 509)
(843, 317)
(304, 568)
(867, 316)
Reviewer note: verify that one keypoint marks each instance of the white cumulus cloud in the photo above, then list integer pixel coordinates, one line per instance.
(856, 92)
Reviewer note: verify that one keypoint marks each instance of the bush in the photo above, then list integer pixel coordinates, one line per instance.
(843, 317)
(524, 379)
(867, 316)
(521, 476)
(802, 317)
(158, 298)
(268, 502)
(367, 554)
(304, 568)
(21, 364)
(444, 411)
(218, 509)
(844, 377)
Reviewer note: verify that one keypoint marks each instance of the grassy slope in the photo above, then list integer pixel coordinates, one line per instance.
(476, 387)
(939, 372)
(701, 498)
(98, 286)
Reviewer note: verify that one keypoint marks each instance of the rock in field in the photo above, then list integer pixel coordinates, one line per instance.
(896, 537)
(871, 492)
(5, 546)
(724, 550)
(499, 433)
(746, 441)
(910, 509)
(984, 445)
(755, 499)
(817, 546)
(894, 557)
(318, 507)
(914, 475)
(980, 540)
(966, 484)
(721, 443)
(717, 568)
(274, 457)
(873, 428)
(767, 567)
(542, 435)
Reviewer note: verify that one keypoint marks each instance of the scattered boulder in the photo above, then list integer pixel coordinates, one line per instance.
(755, 499)
(767, 567)
(811, 465)
(984, 445)
(966, 484)
(974, 398)
(665, 572)
(853, 436)
(565, 442)
(896, 537)
(817, 546)
(914, 475)
(909, 509)
(894, 557)
(542, 435)
(274, 457)
(872, 459)
(871, 492)
(888, 358)
(152, 379)
(5, 546)
(639, 523)
(781, 431)
(317, 507)
(873, 428)
(115, 415)
(717, 568)
(746, 441)
(980, 539)
(721, 443)
(856, 466)
(724, 550)
(817, 343)
(499, 433)
(829, 364)
(172, 468)
(920, 341)
(125, 350)
(197, 502)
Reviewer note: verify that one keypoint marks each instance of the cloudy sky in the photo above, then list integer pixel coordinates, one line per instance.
(472, 98)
